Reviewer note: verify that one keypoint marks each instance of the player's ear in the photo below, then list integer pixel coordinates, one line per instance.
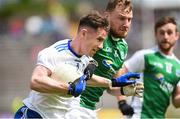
(177, 36)
(106, 15)
(83, 32)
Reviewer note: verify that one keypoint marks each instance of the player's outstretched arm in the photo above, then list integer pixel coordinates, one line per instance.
(123, 80)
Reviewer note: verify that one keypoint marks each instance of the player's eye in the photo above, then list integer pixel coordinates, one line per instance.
(121, 18)
(161, 32)
(100, 39)
(169, 32)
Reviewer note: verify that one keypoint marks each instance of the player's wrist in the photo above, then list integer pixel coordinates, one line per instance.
(109, 83)
(113, 82)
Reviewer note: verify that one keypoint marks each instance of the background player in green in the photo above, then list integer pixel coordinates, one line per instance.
(161, 71)
(111, 57)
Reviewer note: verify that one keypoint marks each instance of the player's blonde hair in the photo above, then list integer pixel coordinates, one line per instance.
(124, 5)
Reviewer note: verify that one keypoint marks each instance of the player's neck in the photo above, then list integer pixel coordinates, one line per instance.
(167, 52)
(75, 47)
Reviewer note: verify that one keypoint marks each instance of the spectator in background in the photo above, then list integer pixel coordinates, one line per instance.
(16, 28)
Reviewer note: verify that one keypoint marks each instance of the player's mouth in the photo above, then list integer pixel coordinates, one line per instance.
(124, 29)
(165, 43)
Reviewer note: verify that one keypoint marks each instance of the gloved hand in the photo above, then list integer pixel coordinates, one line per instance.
(89, 70)
(136, 89)
(125, 108)
(77, 87)
(125, 79)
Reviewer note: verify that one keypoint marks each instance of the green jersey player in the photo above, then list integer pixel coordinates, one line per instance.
(111, 57)
(161, 70)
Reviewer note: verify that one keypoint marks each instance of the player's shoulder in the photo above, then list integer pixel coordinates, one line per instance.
(147, 51)
(54, 48)
(60, 44)
(176, 59)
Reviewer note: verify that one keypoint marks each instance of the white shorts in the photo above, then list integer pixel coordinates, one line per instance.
(80, 113)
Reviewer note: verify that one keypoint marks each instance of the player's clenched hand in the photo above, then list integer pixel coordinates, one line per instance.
(125, 108)
(136, 89)
(77, 87)
(125, 79)
(89, 70)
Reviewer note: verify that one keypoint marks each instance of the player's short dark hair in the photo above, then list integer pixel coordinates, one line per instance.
(163, 21)
(124, 4)
(94, 20)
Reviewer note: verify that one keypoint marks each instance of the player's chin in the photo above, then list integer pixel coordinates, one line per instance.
(122, 34)
(165, 46)
(93, 52)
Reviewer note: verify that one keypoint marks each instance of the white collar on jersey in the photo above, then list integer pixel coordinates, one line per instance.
(115, 39)
(172, 56)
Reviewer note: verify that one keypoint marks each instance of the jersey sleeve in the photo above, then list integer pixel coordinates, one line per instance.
(45, 59)
(136, 62)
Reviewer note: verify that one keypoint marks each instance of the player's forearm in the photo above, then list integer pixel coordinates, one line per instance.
(114, 91)
(176, 102)
(48, 85)
(97, 81)
(176, 97)
(121, 97)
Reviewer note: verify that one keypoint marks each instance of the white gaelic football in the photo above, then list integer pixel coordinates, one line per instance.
(66, 73)
(129, 90)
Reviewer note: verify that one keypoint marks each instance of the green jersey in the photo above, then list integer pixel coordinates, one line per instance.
(110, 59)
(161, 74)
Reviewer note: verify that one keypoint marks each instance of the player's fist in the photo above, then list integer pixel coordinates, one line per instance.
(89, 70)
(125, 108)
(126, 79)
(77, 87)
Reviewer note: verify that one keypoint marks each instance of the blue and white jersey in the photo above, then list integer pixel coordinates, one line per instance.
(54, 105)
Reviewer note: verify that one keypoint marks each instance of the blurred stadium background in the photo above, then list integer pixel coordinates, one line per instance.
(27, 26)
